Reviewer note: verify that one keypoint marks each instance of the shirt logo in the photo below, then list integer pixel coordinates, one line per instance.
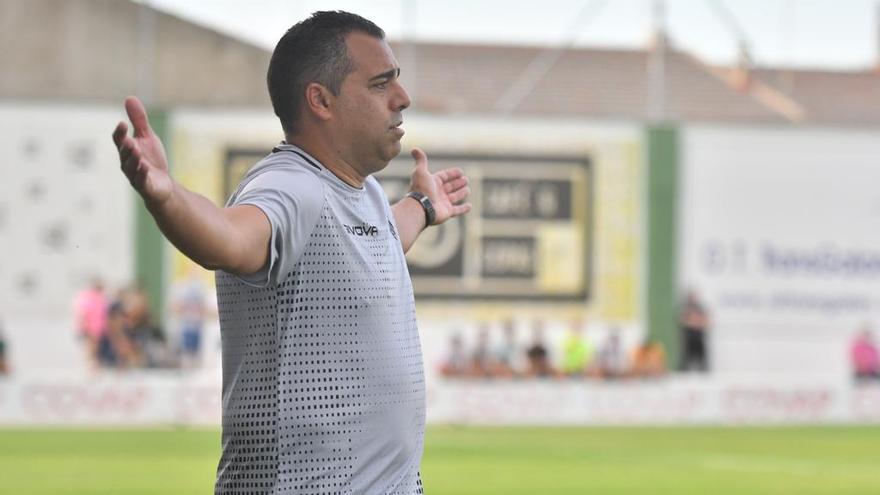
(392, 230)
(362, 230)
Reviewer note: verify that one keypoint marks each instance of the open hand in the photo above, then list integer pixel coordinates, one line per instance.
(142, 156)
(447, 189)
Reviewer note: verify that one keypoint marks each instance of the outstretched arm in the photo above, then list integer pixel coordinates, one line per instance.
(447, 190)
(234, 239)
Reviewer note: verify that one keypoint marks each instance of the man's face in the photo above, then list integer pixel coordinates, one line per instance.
(370, 104)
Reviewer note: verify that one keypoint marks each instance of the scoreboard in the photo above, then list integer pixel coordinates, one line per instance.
(527, 236)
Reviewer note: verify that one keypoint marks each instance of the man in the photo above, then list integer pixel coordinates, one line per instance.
(323, 388)
(694, 323)
(481, 357)
(4, 360)
(577, 352)
(505, 353)
(611, 360)
(188, 305)
(456, 363)
(537, 355)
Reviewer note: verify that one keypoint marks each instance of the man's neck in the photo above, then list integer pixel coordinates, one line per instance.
(323, 151)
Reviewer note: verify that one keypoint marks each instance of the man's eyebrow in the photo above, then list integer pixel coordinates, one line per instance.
(388, 74)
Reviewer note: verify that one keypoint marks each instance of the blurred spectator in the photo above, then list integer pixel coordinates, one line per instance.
(117, 350)
(505, 353)
(865, 358)
(136, 304)
(694, 324)
(4, 353)
(90, 311)
(189, 308)
(481, 358)
(455, 363)
(105, 355)
(147, 339)
(611, 361)
(649, 359)
(537, 354)
(577, 352)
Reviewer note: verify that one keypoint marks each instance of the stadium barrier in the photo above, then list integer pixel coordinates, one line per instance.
(147, 399)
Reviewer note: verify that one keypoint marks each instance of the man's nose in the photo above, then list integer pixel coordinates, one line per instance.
(402, 101)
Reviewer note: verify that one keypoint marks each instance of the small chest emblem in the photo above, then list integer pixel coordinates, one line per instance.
(392, 230)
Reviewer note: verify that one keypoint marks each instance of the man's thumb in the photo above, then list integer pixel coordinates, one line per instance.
(421, 159)
(137, 114)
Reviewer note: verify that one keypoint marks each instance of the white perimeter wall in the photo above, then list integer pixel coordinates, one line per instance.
(780, 234)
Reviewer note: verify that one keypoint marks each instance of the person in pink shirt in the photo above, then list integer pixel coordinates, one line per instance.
(864, 355)
(90, 309)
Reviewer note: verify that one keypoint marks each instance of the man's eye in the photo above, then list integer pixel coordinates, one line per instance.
(381, 85)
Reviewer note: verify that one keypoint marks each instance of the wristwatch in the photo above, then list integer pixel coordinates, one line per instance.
(430, 215)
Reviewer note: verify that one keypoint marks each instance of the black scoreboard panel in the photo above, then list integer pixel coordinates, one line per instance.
(528, 236)
(238, 162)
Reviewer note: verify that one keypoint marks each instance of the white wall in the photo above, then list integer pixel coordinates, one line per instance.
(65, 217)
(769, 219)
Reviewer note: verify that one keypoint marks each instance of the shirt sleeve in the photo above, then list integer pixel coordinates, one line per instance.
(292, 200)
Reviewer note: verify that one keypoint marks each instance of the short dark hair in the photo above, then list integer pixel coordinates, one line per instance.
(313, 50)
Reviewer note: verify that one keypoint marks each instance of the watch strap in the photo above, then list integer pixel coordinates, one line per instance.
(430, 214)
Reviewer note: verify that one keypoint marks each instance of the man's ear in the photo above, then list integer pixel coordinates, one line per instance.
(319, 101)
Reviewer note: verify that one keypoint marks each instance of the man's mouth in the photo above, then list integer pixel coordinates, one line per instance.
(396, 129)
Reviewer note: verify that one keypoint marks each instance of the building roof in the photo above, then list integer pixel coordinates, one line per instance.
(831, 97)
(107, 49)
(88, 50)
(582, 82)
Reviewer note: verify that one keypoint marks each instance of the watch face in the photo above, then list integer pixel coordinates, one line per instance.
(430, 215)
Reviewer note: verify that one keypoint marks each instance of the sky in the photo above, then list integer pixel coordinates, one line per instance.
(830, 34)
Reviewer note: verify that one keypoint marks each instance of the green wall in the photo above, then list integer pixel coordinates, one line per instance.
(149, 242)
(663, 180)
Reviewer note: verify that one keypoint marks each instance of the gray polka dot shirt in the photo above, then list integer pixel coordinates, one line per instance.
(323, 385)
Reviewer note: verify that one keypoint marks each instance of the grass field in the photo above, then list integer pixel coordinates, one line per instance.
(481, 461)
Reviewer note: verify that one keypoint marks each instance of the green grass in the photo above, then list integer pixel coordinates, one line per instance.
(484, 461)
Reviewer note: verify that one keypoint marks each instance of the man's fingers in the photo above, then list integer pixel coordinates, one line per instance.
(119, 133)
(450, 174)
(137, 114)
(134, 163)
(455, 184)
(137, 171)
(459, 196)
(126, 146)
(461, 209)
(130, 163)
